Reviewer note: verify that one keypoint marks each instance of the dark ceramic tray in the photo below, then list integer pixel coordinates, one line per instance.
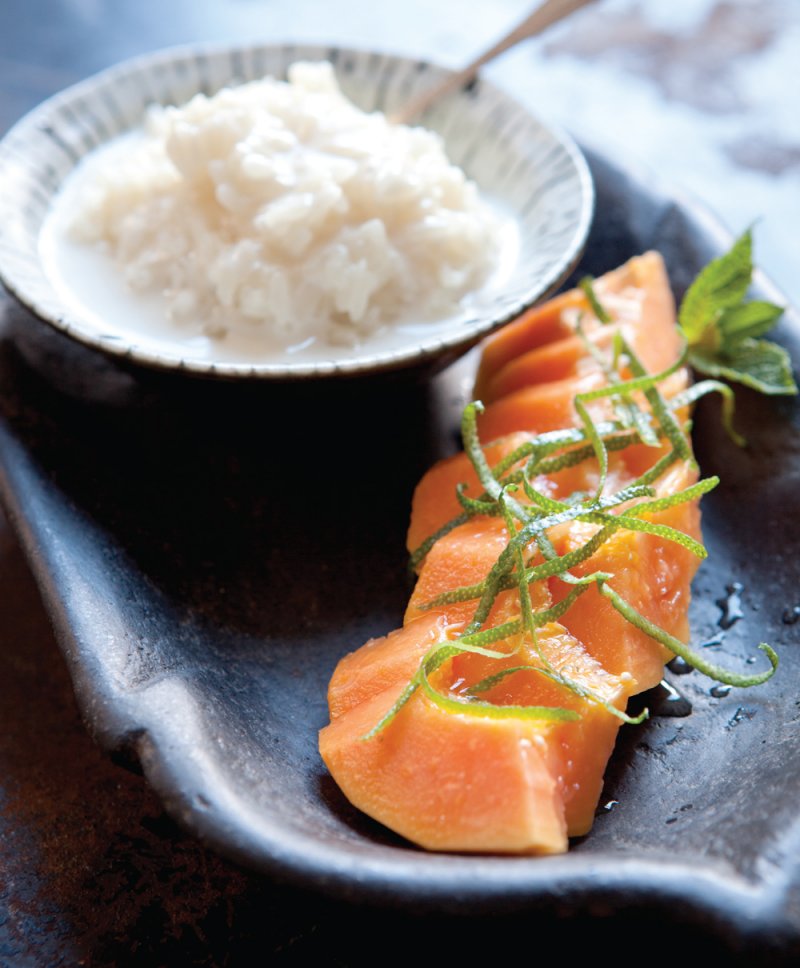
(208, 551)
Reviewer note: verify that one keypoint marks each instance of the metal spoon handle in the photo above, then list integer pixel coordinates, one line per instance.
(544, 16)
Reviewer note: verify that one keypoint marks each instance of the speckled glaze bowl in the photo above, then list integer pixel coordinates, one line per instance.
(526, 167)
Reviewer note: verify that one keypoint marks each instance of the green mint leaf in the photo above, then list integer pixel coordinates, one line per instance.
(748, 321)
(720, 286)
(759, 364)
(722, 329)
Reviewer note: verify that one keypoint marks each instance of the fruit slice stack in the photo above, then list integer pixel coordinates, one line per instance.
(451, 780)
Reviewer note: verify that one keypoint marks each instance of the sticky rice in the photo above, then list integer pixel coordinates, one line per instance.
(281, 206)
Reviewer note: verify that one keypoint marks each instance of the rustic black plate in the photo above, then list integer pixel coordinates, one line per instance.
(208, 551)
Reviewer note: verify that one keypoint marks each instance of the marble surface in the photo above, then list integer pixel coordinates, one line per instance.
(703, 91)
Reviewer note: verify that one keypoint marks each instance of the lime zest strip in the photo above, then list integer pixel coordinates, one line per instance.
(487, 710)
(695, 659)
(528, 524)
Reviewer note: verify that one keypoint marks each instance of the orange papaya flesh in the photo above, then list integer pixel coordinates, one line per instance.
(449, 781)
(382, 663)
(537, 327)
(561, 360)
(545, 407)
(549, 769)
(583, 746)
(435, 502)
(461, 558)
(453, 781)
(503, 785)
(639, 300)
(541, 408)
(568, 357)
(651, 573)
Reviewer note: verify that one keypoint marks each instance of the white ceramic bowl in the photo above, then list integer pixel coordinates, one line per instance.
(533, 171)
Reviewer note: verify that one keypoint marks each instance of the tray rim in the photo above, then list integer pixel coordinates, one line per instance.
(749, 909)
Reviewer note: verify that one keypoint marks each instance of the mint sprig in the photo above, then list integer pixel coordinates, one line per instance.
(722, 328)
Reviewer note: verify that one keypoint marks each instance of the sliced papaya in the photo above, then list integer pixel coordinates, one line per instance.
(651, 573)
(457, 781)
(585, 744)
(520, 395)
(435, 501)
(382, 663)
(449, 781)
(636, 296)
(462, 558)
(483, 779)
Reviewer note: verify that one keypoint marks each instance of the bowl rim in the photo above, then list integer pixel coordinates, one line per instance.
(446, 345)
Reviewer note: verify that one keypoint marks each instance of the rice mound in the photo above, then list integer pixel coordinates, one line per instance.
(281, 206)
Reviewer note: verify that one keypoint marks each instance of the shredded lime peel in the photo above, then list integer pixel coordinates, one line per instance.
(510, 492)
